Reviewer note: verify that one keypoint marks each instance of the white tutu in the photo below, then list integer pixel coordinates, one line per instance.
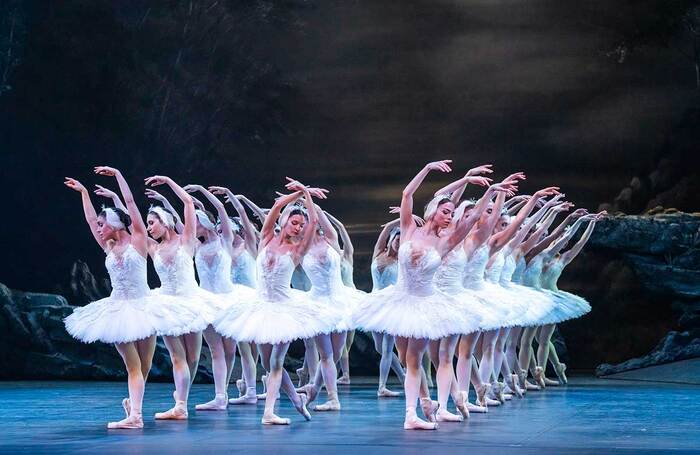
(124, 316)
(566, 306)
(175, 315)
(112, 320)
(343, 303)
(259, 320)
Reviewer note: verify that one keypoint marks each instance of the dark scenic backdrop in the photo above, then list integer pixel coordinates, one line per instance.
(598, 97)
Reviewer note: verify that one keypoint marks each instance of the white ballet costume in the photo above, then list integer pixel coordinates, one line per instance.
(414, 307)
(214, 270)
(381, 279)
(243, 269)
(276, 313)
(181, 305)
(562, 308)
(536, 304)
(327, 287)
(448, 279)
(496, 312)
(123, 316)
(576, 306)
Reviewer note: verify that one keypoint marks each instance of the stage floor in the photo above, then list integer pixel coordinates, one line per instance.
(589, 415)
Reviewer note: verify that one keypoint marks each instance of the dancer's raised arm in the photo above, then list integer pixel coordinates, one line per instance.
(139, 236)
(153, 194)
(88, 209)
(456, 188)
(348, 248)
(569, 256)
(528, 244)
(250, 231)
(541, 245)
(406, 212)
(529, 223)
(562, 241)
(310, 229)
(109, 194)
(498, 240)
(226, 225)
(259, 213)
(189, 231)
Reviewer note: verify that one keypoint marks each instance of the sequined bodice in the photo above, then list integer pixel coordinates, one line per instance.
(243, 269)
(323, 269)
(417, 269)
(475, 267)
(214, 267)
(127, 272)
(274, 275)
(495, 269)
(381, 279)
(448, 277)
(533, 273)
(177, 274)
(551, 274)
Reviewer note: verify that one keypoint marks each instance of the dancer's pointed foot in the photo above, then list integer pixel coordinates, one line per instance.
(412, 422)
(462, 405)
(303, 376)
(551, 382)
(247, 398)
(497, 392)
(492, 402)
(561, 373)
(310, 391)
(272, 419)
(240, 385)
(343, 380)
(178, 412)
(443, 415)
(429, 408)
(383, 392)
(515, 386)
(126, 404)
(130, 423)
(330, 405)
(219, 403)
(539, 377)
(302, 409)
(477, 409)
(481, 392)
(530, 386)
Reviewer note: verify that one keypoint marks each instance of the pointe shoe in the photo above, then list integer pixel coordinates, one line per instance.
(497, 392)
(242, 389)
(219, 403)
(539, 377)
(515, 386)
(481, 392)
(561, 374)
(331, 405)
(303, 410)
(551, 382)
(477, 409)
(491, 402)
(273, 419)
(412, 422)
(383, 392)
(126, 404)
(443, 415)
(462, 405)
(132, 422)
(343, 380)
(429, 408)
(247, 398)
(310, 391)
(303, 377)
(178, 412)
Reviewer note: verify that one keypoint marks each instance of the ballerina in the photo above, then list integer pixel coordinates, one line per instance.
(346, 272)
(575, 306)
(122, 318)
(179, 295)
(322, 265)
(244, 251)
(278, 314)
(413, 310)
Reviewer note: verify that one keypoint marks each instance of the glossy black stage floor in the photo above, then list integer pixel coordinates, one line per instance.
(588, 415)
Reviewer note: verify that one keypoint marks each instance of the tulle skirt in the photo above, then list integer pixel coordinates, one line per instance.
(291, 317)
(566, 306)
(188, 312)
(343, 303)
(112, 320)
(395, 311)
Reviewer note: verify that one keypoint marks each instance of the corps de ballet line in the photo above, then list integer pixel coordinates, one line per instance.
(472, 279)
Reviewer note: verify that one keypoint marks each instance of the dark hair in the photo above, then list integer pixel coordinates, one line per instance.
(211, 216)
(123, 216)
(298, 212)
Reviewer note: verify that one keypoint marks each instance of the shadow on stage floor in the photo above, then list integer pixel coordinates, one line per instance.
(588, 415)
